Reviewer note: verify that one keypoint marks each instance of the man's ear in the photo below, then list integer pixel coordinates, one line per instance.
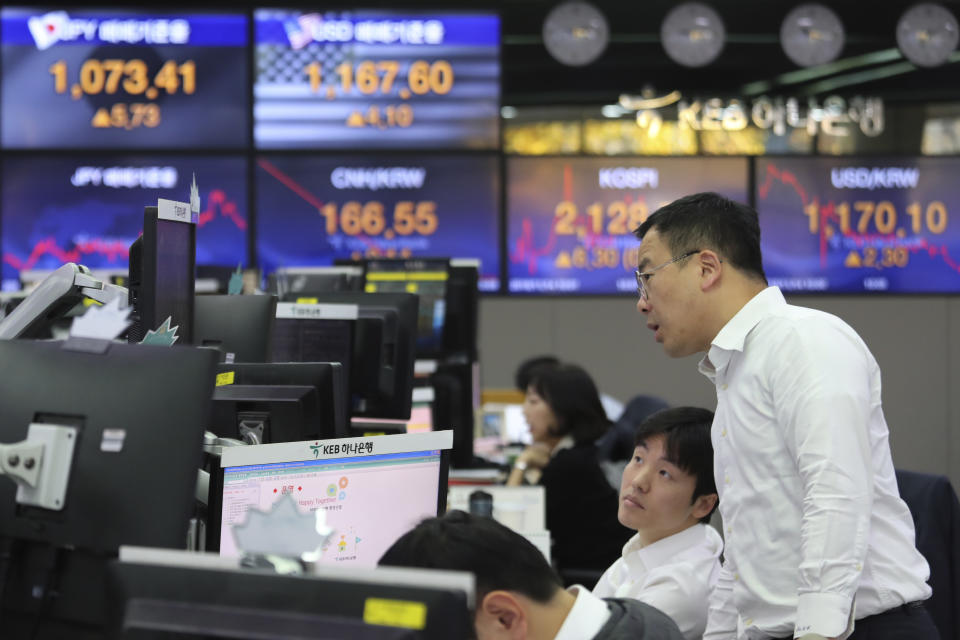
(711, 266)
(500, 615)
(703, 505)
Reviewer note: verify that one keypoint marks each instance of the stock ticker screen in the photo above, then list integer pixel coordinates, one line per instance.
(376, 79)
(88, 210)
(86, 78)
(312, 210)
(849, 225)
(570, 221)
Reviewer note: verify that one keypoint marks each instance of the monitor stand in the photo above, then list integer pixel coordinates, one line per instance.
(55, 295)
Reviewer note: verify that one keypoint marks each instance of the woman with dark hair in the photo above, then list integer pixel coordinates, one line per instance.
(563, 410)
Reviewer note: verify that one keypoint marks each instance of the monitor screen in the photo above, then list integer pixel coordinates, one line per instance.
(570, 221)
(376, 80)
(859, 225)
(388, 206)
(354, 481)
(103, 78)
(88, 208)
(427, 278)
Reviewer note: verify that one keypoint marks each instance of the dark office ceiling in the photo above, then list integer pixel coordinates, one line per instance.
(751, 63)
(752, 56)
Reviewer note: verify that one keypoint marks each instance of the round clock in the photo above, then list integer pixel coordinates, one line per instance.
(575, 33)
(812, 34)
(692, 34)
(927, 34)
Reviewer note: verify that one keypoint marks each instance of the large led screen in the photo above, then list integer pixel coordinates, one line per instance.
(110, 78)
(570, 221)
(376, 79)
(860, 224)
(89, 209)
(313, 210)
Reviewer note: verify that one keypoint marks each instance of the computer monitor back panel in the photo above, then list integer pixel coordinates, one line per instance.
(395, 314)
(327, 377)
(192, 596)
(162, 275)
(269, 413)
(241, 327)
(140, 411)
(372, 490)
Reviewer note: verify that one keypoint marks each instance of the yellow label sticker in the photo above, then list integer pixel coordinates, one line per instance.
(225, 378)
(307, 300)
(370, 434)
(395, 613)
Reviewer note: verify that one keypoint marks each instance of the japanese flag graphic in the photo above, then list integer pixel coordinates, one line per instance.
(48, 29)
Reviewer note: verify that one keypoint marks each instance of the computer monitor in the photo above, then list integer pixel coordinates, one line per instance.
(162, 272)
(213, 279)
(421, 417)
(449, 300)
(372, 490)
(134, 416)
(241, 327)
(257, 413)
(326, 377)
(455, 408)
(188, 595)
(463, 307)
(426, 277)
(382, 353)
(308, 280)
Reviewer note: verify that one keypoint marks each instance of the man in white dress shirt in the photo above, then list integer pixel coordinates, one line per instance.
(518, 595)
(818, 542)
(667, 496)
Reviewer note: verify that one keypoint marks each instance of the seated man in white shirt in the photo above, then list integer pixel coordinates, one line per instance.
(518, 595)
(667, 496)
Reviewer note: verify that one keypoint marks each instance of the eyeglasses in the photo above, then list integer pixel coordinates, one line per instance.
(646, 275)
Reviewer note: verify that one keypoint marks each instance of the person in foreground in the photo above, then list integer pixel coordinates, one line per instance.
(667, 496)
(518, 595)
(818, 543)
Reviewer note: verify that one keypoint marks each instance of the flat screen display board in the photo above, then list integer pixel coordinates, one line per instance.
(313, 210)
(111, 78)
(89, 209)
(848, 225)
(570, 221)
(376, 80)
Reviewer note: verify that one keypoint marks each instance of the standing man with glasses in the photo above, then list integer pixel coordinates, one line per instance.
(818, 542)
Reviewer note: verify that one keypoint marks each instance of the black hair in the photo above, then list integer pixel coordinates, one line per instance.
(499, 557)
(573, 397)
(710, 221)
(527, 369)
(686, 432)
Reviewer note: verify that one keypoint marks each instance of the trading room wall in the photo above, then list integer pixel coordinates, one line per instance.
(915, 339)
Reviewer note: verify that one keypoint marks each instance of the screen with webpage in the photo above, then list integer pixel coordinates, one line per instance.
(370, 501)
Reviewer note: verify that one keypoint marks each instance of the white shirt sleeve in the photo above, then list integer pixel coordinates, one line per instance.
(722, 614)
(821, 394)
